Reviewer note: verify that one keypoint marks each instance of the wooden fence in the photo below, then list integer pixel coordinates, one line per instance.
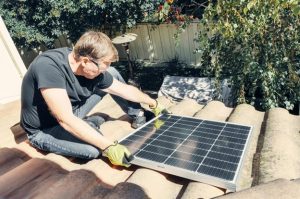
(157, 43)
(154, 43)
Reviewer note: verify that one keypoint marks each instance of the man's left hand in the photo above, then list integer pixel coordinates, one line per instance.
(159, 109)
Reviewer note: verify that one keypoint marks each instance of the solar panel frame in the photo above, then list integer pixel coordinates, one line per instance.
(194, 175)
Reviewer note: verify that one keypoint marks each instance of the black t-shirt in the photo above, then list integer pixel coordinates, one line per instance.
(51, 69)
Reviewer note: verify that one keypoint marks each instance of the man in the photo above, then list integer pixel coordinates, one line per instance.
(62, 85)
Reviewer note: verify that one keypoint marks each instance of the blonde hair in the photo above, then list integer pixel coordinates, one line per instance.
(95, 45)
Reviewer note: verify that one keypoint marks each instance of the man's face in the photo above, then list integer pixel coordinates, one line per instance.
(93, 68)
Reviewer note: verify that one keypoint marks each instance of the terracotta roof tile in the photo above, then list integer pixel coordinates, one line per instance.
(297, 181)
(126, 190)
(28, 175)
(280, 188)
(214, 110)
(186, 107)
(155, 184)
(280, 154)
(108, 173)
(11, 158)
(247, 115)
(73, 184)
(96, 191)
(201, 190)
(115, 130)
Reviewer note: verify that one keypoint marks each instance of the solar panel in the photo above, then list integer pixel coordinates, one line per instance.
(202, 150)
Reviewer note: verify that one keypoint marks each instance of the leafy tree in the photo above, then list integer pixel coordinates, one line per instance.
(256, 44)
(32, 23)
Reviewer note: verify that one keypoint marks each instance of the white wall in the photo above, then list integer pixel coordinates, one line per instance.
(12, 67)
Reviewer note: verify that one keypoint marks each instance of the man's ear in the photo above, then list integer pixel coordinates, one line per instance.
(84, 60)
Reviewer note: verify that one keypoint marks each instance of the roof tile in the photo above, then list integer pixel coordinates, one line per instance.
(280, 188)
(11, 158)
(27, 174)
(280, 154)
(247, 115)
(72, 185)
(109, 174)
(186, 107)
(155, 184)
(201, 190)
(126, 190)
(214, 110)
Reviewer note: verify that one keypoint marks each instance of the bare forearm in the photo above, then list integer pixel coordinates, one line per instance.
(135, 95)
(85, 132)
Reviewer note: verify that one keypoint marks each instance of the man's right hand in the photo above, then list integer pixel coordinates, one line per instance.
(117, 154)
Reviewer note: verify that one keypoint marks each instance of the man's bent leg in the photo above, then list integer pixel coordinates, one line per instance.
(95, 120)
(131, 108)
(89, 104)
(58, 140)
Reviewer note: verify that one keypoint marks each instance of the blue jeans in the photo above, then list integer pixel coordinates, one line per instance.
(57, 140)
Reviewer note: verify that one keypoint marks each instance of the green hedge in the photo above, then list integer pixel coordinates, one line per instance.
(32, 23)
(256, 44)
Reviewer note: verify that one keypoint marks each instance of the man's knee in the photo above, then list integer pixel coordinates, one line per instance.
(83, 151)
(90, 152)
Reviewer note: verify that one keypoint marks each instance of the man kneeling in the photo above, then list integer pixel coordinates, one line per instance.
(60, 88)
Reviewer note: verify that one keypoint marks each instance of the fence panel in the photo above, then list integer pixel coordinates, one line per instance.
(155, 43)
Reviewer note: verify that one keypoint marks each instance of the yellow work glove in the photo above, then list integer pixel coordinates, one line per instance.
(117, 154)
(158, 109)
(158, 123)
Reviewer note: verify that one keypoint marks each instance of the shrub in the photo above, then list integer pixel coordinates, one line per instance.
(32, 23)
(180, 12)
(256, 44)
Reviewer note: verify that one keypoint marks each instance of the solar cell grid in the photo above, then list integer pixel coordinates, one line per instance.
(194, 146)
(226, 150)
(192, 150)
(182, 164)
(187, 156)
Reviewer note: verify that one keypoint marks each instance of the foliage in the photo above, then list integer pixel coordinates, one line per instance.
(180, 12)
(32, 23)
(256, 44)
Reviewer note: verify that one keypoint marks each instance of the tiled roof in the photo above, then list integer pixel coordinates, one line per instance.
(274, 152)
